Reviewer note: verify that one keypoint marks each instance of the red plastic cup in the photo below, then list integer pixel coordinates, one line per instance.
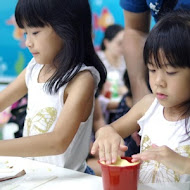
(120, 177)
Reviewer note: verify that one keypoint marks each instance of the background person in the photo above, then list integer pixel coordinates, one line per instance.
(137, 26)
(111, 55)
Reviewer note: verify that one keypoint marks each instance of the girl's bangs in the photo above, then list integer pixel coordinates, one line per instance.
(169, 43)
(32, 17)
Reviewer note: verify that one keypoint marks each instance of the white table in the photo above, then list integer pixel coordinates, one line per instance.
(42, 176)
(166, 186)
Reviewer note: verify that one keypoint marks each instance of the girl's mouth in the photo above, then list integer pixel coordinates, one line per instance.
(161, 96)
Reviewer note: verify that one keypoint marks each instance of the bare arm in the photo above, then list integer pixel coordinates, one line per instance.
(167, 157)
(136, 30)
(98, 120)
(13, 92)
(112, 105)
(78, 106)
(109, 139)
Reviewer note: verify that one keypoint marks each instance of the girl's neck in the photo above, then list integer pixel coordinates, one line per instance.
(46, 73)
(174, 114)
(113, 60)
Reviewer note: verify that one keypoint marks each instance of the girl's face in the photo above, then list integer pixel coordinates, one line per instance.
(43, 43)
(115, 45)
(170, 85)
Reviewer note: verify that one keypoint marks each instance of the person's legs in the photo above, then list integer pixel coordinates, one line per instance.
(93, 163)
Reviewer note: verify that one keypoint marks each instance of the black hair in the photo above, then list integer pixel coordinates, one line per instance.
(167, 6)
(127, 82)
(110, 32)
(72, 22)
(171, 35)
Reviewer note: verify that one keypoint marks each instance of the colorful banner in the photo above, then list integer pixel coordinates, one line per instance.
(104, 13)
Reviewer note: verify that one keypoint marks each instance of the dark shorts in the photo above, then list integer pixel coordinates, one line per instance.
(89, 171)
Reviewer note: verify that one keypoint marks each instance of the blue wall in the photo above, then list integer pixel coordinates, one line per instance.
(13, 54)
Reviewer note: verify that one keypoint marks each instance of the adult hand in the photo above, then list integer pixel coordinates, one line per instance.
(109, 144)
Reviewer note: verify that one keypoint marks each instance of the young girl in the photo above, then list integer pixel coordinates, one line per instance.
(60, 81)
(164, 116)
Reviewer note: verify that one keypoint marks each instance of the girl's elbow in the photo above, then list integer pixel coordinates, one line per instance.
(60, 145)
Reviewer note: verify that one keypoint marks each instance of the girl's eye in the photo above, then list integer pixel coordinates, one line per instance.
(152, 70)
(171, 73)
(34, 33)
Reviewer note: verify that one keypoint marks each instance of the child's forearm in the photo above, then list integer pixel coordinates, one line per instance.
(178, 163)
(186, 166)
(166, 156)
(32, 146)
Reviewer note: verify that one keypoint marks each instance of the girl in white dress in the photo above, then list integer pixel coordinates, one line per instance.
(60, 80)
(162, 117)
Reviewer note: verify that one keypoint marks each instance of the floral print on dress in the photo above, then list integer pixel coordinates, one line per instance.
(41, 122)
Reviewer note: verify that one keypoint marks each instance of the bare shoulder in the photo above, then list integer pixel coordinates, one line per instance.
(82, 78)
(146, 101)
(82, 82)
(84, 75)
(144, 104)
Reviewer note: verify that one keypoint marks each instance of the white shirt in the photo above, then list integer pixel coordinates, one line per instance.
(155, 129)
(112, 70)
(42, 113)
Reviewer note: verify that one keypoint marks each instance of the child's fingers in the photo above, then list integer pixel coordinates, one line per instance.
(136, 156)
(94, 148)
(108, 153)
(117, 149)
(123, 147)
(136, 160)
(141, 156)
(102, 156)
(97, 147)
(114, 153)
(147, 155)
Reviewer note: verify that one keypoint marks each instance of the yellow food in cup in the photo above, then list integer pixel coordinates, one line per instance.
(122, 162)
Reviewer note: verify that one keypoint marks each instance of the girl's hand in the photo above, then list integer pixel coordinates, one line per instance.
(158, 153)
(136, 138)
(109, 144)
(164, 155)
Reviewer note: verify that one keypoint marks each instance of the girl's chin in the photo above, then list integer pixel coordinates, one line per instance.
(38, 61)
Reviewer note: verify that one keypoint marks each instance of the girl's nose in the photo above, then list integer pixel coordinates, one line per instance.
(160, 80)
(28, 42)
